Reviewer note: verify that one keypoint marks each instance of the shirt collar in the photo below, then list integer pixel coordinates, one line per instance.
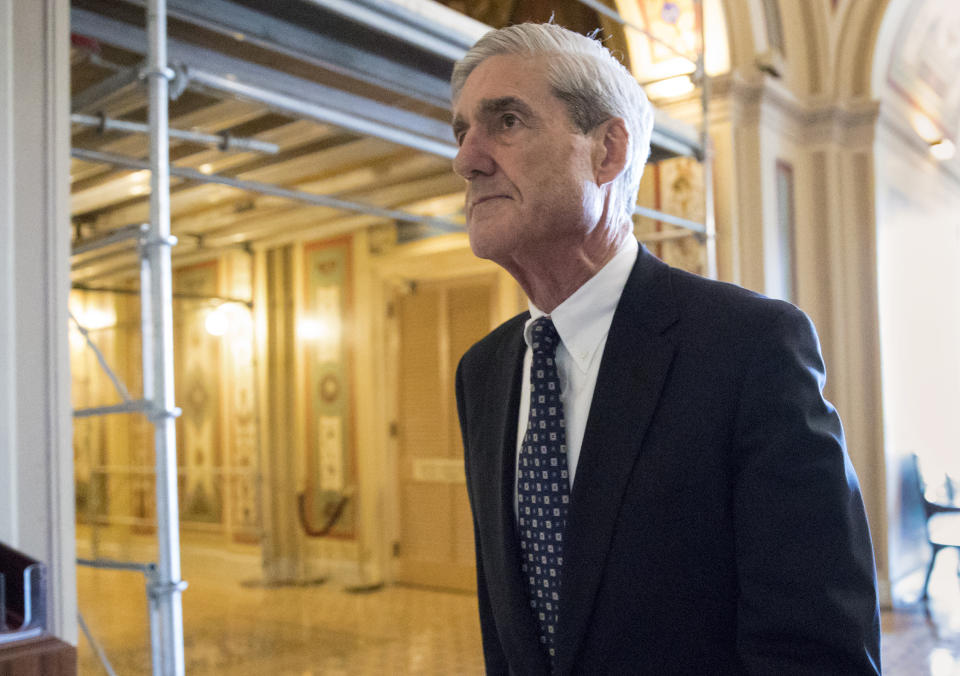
(583, 320)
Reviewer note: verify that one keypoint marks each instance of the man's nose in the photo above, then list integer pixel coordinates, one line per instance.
(473, 158)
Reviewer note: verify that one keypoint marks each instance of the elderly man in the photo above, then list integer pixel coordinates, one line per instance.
(658, 485)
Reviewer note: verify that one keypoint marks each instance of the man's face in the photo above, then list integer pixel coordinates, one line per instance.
(530, 173)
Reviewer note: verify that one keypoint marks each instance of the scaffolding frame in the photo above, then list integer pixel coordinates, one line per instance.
(164, 583)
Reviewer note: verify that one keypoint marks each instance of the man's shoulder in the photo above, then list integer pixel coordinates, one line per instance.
(717, 310)
(693, 291)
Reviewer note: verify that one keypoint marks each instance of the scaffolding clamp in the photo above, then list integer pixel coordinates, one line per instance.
(156, 413)
(180, 81)
(167, 74)
(157, 589)
(150, 242)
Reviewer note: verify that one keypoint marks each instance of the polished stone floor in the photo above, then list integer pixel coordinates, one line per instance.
(234, 627)
(921, 639)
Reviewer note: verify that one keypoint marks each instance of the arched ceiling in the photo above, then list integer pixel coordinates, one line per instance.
(919, 74)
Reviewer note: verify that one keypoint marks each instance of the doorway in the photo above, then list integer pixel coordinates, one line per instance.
(436, 321)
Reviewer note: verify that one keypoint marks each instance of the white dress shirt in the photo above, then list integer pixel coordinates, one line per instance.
(583, 322)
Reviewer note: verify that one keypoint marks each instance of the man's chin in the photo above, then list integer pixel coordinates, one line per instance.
(479, 250)
(483, 245)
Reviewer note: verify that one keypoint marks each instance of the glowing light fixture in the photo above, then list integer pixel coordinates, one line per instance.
(217, 322)
(231, 318)
(95, 319)
(943, 150)
(206, 168)
(312, 328)
(670, 87)
(925, 127)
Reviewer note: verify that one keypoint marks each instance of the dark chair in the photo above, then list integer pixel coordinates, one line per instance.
(940, 495)
(23, 597)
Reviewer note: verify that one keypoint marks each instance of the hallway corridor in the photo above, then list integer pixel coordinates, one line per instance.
(233, 625)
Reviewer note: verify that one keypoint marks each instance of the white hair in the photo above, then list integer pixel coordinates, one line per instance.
(590, 81)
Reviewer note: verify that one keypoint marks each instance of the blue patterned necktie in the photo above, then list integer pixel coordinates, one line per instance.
(543, 485)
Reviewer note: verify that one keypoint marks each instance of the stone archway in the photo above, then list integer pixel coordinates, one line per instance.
(918, 243)
(795, 121)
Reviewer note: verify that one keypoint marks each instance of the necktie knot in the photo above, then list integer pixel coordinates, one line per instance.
(544, 338)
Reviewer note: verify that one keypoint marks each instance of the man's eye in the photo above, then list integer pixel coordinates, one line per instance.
(509, 121)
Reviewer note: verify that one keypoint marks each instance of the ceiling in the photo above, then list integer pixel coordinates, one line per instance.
(352, 95)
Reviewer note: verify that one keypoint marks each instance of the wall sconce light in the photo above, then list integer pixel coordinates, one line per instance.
(231, 318)
(314, 328)
(96, 319)
(943, 149)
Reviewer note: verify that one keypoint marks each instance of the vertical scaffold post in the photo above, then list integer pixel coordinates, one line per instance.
(157, 330)
(709, 212)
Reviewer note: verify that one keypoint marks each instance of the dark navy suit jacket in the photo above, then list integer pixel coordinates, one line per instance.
(716, 524)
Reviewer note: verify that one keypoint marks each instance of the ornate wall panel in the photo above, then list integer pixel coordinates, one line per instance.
(239, 405)
(675, 186)
(97, 314)
(325, 331)
(197, 375)
(214, 381)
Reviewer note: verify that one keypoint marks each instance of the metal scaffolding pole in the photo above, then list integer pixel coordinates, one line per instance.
(706, 231)
(709, 207)
(224, 141)
(273, 190)
(157, 329)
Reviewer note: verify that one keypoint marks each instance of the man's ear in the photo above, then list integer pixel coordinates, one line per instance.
(610, 151)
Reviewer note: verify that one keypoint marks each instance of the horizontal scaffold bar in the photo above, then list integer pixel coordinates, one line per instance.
(273, 190)
(223, 141)
(135, 406)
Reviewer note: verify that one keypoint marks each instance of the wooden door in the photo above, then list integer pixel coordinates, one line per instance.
(437, 322)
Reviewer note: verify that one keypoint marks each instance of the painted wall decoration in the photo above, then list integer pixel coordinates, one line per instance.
(240, 429)
(325, 333)
(672, 21)
(214, 386)
(675, 186)
(97, 314)
(663, 55)
(197, 374)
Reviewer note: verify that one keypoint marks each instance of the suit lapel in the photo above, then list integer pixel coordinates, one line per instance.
(633, 369)
(508, 593)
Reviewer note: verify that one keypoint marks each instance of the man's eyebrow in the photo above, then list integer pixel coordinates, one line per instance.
(504, 103)
(490, 107)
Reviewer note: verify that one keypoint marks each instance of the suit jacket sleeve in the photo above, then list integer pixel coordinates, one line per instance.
(493, 656)
(808, 600)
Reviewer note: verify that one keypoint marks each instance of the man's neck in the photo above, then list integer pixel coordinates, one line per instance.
(550, 276)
